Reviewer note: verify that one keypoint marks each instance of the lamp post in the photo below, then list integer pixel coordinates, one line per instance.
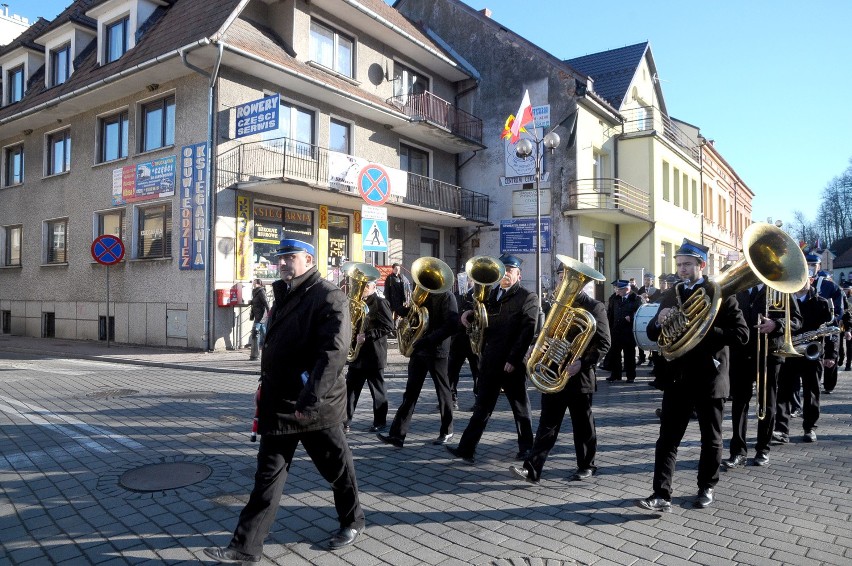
(524, 149)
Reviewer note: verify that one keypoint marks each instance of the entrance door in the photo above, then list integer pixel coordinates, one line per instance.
(338, 240)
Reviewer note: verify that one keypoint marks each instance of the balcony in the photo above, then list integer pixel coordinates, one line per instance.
(438, 122)
(648, 119)
(608, 200)
(268, 163)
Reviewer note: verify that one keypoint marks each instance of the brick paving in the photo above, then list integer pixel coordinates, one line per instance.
(76, 416)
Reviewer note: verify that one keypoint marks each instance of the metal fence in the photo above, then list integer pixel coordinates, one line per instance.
(609, 194)
(427, 106)
(650, 118)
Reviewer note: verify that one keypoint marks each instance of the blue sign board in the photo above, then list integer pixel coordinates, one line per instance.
(193, 206)
(257, 116)
(375, 235)
(155, 177)
(518, 236)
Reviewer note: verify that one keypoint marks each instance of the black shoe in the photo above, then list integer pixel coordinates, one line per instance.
(522, 473)
(847, 368)
(392, 440)
(584, 474)
(761, 459)
(629, 380)
(229, 555)
(737, 461)
(522, 455)
(443, 439)
(343, 537)
(611, 378)
(780, 437)
(658, 412)
(652, 383)
(457, 454)
(655, 504)
(378, 428)
(704, 498)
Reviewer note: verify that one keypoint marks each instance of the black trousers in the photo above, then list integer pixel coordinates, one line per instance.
(743, 374)
(829, 376)
(459, 353)
(418, 366)
(794, 370)
(553, 407)
(375, 378)
(331, 456)
(628, 348)
(515, 386)
(678, 404)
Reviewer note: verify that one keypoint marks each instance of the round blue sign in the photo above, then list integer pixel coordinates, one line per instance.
(108, 249)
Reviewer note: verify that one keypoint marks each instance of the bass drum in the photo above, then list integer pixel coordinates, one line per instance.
(640, 322)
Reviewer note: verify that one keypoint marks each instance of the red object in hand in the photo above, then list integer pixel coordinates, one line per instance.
(256, 412)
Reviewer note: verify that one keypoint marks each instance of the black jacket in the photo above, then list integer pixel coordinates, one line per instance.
(705, 367)
(584, 381)
(817, 310)
(308, 331)
(259, 306)
(511, 328)
(374, 350)
(395, 292)
(751, 307)
(443, 324)
(620, 313)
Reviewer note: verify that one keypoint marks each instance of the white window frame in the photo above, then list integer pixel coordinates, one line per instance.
(420, 148)
(337, 34)
(125, 17)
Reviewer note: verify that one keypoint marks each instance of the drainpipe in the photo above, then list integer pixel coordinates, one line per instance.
(211, 188)
(459, 165)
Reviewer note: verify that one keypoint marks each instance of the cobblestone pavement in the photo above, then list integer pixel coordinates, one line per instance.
(78, 421)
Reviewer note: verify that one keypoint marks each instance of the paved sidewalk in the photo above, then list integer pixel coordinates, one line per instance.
(72, 429)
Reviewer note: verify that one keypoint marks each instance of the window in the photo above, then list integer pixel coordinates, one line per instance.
(407, 82)
(413, 160)
(685, 191)
(430, 243)
(59, 152)
(694, 197)
(331, 49)
(158, 123)
(13, 158)
(154, 234)
(60, 64)
(113, 137)
(666, 195)
(116, 39)
(110, 222)
(12, 245)
(297, 125)
(339, 136)
(57, 241)
(15, 80)
(676, 186)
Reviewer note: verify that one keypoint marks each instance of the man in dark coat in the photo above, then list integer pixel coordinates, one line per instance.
(698, 380)
(429, 356)
(745, 368)
(576, 397)
(512, 318)
(395, 290)
(621, 311)
(259, 307)
(461, 351)
(302, 399)
(369, 365)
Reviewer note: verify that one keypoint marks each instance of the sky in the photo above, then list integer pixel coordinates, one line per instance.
(768, 80)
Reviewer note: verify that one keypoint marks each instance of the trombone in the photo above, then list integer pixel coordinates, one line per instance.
(776, 301)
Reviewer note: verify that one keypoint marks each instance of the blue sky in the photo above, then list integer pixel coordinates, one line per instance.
(768, 80)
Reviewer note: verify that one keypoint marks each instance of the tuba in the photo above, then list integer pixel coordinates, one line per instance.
(771, 257)
(485, 272)
(566, 333)
(431, 275)
(359, 275)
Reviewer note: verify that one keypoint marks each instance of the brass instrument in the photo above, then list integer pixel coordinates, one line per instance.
(359, 274)
(485, 272)
(770, 256)
(567, 331)
(431, 275)
(778, 302)
(805, 345)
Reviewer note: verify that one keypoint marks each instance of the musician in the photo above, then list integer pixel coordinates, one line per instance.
(429, 356)
(815, 312)
(746, 368)
(303, 399)
(698, 380)
(620, 313)
(576, 397)
(395, 289)
(827, 288)
(370, 363)
(461, 351)
(845, 340)
(512, 317)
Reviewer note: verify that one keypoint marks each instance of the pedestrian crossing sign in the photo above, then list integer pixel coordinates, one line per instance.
(375, 234)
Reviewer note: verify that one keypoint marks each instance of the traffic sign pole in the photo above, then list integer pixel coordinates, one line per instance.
(107, 250)
(107, 318)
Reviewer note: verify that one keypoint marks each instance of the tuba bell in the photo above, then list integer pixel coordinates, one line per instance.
(567, 330)
(771, 257)
(359, 274)
(431, 275)
(485, 272)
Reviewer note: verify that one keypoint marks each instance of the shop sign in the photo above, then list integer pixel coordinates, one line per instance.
(193, 206)
(257, 116)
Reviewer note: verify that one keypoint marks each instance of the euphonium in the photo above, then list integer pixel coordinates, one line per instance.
(770, 256)
(359, 275)
(431, 275)
(567, 330)
(485, 272)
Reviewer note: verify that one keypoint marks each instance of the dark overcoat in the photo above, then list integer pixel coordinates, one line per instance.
(585, 381)
(308, 332)
(374, 350)
(511, 328)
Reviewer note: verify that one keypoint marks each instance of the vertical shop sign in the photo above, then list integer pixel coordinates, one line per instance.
(243, 217)
(323, 218)
(193, 206)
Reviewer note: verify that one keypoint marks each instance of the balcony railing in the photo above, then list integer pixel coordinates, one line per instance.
(650, 118)
(608, 194)
(427, 106)
(290, 159)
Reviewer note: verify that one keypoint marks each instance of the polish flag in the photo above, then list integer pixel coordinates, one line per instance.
(522, 118)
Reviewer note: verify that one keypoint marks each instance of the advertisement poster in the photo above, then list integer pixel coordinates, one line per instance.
(144, 181)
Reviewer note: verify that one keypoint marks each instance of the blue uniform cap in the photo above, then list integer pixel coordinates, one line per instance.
(511, 261)
(812, 258)
(290, 246)
(693, 249)
(621, 283)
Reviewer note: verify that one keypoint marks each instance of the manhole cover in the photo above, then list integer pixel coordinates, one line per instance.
(159, 477)
(108, 393)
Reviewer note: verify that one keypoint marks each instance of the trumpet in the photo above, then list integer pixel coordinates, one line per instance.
(485, 272)
(359, 274)
(431, 275)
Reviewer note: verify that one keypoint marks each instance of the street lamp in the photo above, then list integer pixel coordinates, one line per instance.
(524, 149)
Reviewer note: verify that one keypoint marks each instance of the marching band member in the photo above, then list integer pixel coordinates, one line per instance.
(698, 380)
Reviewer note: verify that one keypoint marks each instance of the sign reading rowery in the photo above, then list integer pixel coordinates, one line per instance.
(257, 116)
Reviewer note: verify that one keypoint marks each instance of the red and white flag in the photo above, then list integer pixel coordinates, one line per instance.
(515, 124)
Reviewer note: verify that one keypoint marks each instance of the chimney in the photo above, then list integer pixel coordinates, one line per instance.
(5, 9)
(485, 12)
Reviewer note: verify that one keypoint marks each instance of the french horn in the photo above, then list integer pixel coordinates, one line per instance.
(359, 274)
(431, 275)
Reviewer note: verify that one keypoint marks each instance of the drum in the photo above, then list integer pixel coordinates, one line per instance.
(640, 322)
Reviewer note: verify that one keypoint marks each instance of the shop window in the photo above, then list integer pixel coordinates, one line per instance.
(338, 240)
(56, 241)
(154, 232)
(331, 49)
(60, 64)
(112, 132)
(59, 152)
(271, 224)
(158, 124)
(13, 160)
(116, 39)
